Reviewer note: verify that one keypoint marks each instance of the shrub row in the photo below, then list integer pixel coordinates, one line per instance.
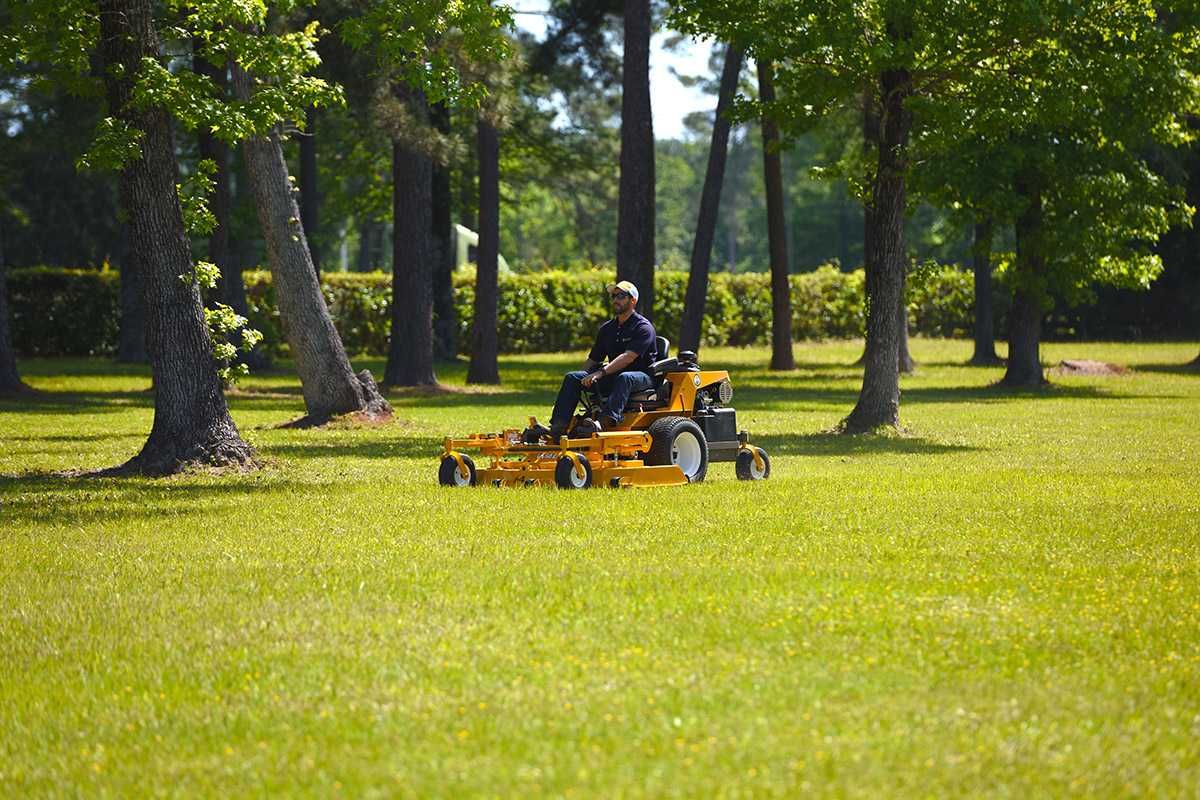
(76, 312)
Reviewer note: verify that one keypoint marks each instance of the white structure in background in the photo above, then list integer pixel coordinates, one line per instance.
(465, 238)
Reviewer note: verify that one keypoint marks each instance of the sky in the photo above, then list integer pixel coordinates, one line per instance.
(670, 100)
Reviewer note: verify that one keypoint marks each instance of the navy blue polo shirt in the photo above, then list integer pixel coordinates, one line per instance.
(636, 334)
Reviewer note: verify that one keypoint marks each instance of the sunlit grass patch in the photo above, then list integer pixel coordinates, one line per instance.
(1001, 601)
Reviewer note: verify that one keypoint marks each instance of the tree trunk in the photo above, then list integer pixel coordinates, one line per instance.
(1025, 317)
(904, 359)
(310, 197)
(10, 378)
(368, 245)
(445, 316)
(635, 207)
(230, 288)
(981, 254)
(710, 204)
(410, 352)
(330, 386)
(192, 425)
(484, 339)
(781, 300)
(879, 401)
(870, 131)
(131, 334)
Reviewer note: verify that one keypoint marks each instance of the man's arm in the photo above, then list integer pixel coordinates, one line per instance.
(612, 368)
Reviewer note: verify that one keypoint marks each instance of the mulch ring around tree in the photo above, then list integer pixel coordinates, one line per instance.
(1085, 366)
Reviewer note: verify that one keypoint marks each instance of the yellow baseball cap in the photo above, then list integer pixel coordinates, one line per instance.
(627, 287)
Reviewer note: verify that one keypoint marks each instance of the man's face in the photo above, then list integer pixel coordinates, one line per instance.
(622, 301)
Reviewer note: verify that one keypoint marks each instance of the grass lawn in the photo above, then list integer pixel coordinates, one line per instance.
(1003, 602)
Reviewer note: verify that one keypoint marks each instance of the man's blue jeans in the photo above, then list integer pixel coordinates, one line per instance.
(617, 387)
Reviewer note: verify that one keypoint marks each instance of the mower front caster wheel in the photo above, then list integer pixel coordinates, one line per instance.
(567, 476)
(450, 475)
(747, 468)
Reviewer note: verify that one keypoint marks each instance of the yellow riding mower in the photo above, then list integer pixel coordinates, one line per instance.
(667, 437)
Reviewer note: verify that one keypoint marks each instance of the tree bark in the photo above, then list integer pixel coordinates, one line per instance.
(904, 359)
(635, 206)
(879, 400)
(310, 197)
(10, 378)
(369, 249)
(192, 425)
(131, 334)
(445, 316)
(710, 204)
(870, 131)
(410, 352)
(781, 300)
(981, 254)
(329, 385)
(1025, 317)
(484, 340)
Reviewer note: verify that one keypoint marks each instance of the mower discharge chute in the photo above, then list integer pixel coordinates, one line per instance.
(667, 437)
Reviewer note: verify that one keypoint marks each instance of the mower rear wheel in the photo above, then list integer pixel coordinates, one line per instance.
(678, 441)
(449, 474)
(748, 470)
(566, 476)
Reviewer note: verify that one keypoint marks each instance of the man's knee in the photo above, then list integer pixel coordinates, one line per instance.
(574, 377)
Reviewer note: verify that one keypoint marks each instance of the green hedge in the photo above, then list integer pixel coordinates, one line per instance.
(75, 312)
(58, 312)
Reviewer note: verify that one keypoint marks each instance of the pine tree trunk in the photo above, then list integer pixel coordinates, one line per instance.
(10, 378)
(310, 198)
(1025, 317)
(484, 340)
(192, 425)
(981, 254)
(445, 315)
(635, 206)
(710, 204)
(131, 332)
(781, 300)
(329, 385)
(410, 352)
(879, 401)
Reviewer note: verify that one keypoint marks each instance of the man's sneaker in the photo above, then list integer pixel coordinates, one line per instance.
(607, 423)
(557, 429)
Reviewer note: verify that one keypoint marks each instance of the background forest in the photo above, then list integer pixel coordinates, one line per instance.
(558, 177)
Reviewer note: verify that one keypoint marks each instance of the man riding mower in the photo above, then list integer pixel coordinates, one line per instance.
(648, 420)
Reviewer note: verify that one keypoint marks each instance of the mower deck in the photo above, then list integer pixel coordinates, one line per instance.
(613, 460)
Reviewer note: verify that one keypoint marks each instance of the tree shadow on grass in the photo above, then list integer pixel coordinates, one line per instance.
(62, 500)
(47, 402)
(407, 447)
(117, 401)
(835, 444)
(1189, 369)
(996, 393)
(139, 436)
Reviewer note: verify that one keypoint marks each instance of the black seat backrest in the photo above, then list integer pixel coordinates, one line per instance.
(664, 347)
